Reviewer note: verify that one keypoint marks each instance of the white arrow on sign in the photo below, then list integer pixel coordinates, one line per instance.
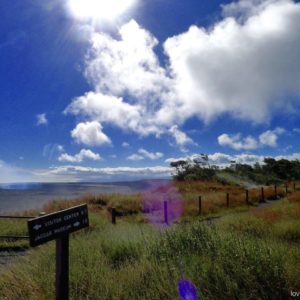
(37, 227)
(76, 224)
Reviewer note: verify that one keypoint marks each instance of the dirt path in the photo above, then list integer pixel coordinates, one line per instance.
(266, 203)
(7, 257)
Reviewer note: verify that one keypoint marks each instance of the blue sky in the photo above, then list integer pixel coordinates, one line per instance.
(90, 92)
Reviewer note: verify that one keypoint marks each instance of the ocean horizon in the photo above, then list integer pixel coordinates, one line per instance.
(22, 196)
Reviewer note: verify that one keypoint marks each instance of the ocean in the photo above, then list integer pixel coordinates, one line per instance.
(23, 196)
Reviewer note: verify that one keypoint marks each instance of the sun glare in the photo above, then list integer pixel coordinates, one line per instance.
(99, 9)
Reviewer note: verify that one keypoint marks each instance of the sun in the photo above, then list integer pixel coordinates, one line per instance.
(98, 10)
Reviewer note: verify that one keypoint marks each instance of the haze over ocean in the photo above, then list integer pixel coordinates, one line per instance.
(18, 197)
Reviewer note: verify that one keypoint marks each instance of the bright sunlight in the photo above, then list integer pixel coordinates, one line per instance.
(99, 9)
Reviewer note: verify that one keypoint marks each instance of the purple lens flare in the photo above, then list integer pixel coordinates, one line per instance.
(187, 290)
(162, 204)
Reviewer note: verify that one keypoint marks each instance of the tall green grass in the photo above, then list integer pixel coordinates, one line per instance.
(240, 257)
(253, 254)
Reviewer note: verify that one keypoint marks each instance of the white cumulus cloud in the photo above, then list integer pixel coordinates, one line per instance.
(243, 65)
(236, 142)
(77, 173)
(150, 155)
(79, 157)
(90, 133)
(243, 68)
(270, 137)
(135, 157)
(142, 154)
(127, 64)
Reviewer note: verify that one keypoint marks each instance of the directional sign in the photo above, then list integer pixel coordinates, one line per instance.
(52, 226)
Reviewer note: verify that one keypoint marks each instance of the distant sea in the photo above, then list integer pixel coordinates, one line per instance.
(23, 196)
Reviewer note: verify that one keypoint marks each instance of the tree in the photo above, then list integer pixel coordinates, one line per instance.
(181, 167)
(196, 168)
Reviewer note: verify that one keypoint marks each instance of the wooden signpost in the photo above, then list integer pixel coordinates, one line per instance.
(57, 226)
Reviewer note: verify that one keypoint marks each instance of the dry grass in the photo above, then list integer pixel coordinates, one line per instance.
(277, 212)
(256, 253)
(239, 258)
(213, 195)
(267, 214)
(294, 197)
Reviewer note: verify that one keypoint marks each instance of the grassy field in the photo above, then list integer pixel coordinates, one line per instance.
(249, 253)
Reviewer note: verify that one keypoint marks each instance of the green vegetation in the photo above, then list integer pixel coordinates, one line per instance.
(196, 169)
(13, 227)
(249, 253)
(243, 256)
(271, 171)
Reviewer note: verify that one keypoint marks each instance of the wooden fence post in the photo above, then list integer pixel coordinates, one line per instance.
(166, 212)
(262, 195)
(275, 190)
(247, 197)
(286, 188)
(200, 205)
(227, 200)
(294, 186)
(113, 215)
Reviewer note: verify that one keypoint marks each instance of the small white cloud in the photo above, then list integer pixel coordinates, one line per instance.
(142, 154)
(279, 130)
(236, 142)
(90, 133)
(270, 137)
(135, 157)
(60, 148)
(296, 130)
(180, 137)
(77, 158)
(41, 119)
(125, 145)
(150, 155)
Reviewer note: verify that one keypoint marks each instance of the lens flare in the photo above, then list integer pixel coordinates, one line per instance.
(162, 204)
(187, 290)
